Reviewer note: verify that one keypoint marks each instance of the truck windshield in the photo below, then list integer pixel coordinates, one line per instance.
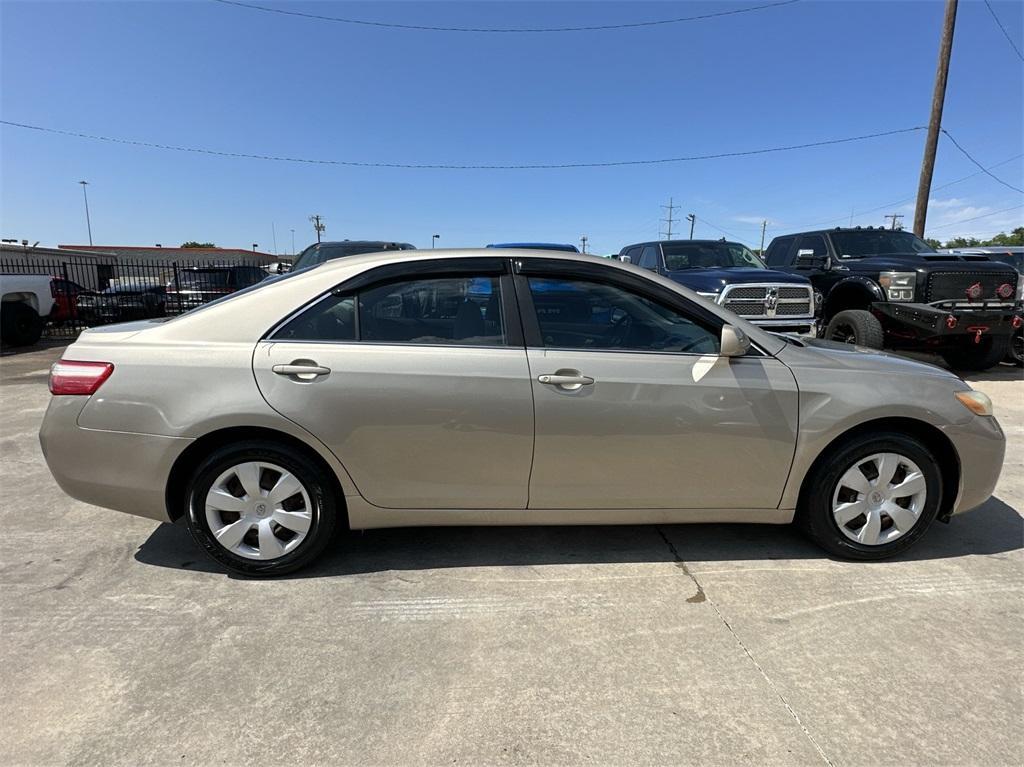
(877, 242)
(709, 255)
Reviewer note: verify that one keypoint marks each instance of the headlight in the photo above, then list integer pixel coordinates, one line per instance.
(975, 401)
(899, 286)
(712, 297)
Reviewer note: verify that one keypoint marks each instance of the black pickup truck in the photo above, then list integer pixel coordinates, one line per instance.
(881, 287)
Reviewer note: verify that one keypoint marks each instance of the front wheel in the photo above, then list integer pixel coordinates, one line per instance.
(872, 497)
(261, 510)
(987, 352)
(1015, 356)
(856, 326)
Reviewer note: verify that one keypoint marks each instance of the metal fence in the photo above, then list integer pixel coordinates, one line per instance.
(89, 292)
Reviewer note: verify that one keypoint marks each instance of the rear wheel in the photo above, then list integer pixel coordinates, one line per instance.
(986, 353)
(856, 326)
(261, 510)
(20, 324)
(872, 497)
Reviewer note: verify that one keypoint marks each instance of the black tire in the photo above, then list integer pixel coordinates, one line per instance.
(814, 515)
(20, 324)
(1015, 355)
(318, 485)
(968, 355)
(856, 326)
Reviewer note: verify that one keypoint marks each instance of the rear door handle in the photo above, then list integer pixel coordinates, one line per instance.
(571, 382)
(305, 371)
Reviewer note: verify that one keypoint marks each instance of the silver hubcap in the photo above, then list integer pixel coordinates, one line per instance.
(258, 510)
(879, 499)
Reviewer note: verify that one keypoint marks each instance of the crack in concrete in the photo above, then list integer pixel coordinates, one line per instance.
(701, 596)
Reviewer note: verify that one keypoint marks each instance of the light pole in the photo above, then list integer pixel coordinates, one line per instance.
(254, 246)
(692, 218)
(85, 195)
(433, 240)
(583, 242)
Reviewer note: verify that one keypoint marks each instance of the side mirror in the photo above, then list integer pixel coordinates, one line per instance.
(735, 342)
(807, 259)
(625, 259)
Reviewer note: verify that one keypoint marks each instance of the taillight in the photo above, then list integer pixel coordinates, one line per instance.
(73, 377)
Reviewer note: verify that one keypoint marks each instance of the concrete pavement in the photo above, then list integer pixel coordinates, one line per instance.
(702, 644)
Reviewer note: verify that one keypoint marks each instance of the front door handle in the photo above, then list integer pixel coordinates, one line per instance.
(301, 369)
(566, 379)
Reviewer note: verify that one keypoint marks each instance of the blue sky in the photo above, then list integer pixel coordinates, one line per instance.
(208, 75)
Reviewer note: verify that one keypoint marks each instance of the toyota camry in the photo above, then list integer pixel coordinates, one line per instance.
(501, 387)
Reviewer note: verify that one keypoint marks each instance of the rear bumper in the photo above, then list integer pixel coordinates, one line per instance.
(117, 470)
(930, 320)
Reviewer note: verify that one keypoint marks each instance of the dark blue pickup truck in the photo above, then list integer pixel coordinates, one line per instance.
(729, 274)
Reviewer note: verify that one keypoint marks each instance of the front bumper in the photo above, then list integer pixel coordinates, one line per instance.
(980, 446)
(801, 326)
(948, 319)
(117, 470)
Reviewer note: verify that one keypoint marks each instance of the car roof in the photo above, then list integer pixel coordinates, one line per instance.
(365, 243)
(566, 248)
(673, 242)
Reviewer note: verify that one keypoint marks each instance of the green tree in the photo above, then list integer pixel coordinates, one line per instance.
(1016, 237)
(194, 244)
(963, 242)
(935, 244)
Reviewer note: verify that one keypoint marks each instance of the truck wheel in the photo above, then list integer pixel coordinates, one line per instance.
(967, 355)
(1016, 354)
(20, 324)
(856, 326)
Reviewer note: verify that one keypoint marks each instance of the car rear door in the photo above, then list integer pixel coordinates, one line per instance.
(634, 406)
(415, 376)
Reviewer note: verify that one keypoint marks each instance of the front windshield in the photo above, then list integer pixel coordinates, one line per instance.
(877, 242)
(709, 255)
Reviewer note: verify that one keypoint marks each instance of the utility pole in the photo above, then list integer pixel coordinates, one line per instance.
(273, 229)
(692, 218)
(293, 242)
(924, 186)
(764, 225)
(85, 194)
(895, 221)
(318, 225)
(671, 209)
(583, 242)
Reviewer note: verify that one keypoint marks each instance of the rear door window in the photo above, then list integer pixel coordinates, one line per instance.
(778, 251)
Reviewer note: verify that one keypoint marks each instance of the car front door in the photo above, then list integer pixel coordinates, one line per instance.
(416, 378)
(634, 406)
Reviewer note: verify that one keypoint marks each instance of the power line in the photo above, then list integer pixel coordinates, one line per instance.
(983, 168)
(426, 28)
(446, 166)
(1005, 33)
(975, 218)
(908, 199)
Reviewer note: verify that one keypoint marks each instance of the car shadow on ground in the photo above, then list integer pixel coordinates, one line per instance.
(994, 528)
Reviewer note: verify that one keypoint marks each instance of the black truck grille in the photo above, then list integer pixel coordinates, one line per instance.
(957, 286)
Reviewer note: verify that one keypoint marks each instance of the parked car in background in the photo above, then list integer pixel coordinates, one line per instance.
(385, 391)
(192, 286)
(26, 301)
(123, 300)
(319, 252)
(563, 248)
(890, 288)
(65, 299)
(730, 275)
(1014, 256)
